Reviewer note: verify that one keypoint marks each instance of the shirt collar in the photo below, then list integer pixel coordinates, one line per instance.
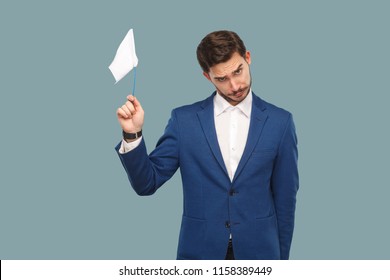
(221, 105)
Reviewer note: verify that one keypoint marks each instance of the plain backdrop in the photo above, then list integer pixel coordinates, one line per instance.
(64, 193)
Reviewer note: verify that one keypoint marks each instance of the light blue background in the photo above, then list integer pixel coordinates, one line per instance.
(64, 194)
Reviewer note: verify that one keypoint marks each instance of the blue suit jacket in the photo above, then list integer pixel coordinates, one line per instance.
(257, 207)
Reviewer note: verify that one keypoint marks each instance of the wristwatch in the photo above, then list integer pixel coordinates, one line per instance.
(131, 136)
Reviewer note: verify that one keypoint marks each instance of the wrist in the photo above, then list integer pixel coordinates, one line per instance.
(130, 137)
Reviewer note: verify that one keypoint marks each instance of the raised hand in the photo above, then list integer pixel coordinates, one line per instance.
(131, 115)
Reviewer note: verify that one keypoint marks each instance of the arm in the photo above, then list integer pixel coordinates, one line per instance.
(147, 173)
(285, 184)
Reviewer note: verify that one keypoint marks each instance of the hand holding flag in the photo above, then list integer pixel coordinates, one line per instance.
(131, 115)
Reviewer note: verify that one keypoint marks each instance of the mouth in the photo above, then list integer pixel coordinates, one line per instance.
(238, 94)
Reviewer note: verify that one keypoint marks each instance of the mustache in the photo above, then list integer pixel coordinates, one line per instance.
(238, 91)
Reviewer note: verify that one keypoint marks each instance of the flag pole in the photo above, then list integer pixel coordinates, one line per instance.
(135, 75)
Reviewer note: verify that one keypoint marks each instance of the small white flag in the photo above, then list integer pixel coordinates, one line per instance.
(125, 58)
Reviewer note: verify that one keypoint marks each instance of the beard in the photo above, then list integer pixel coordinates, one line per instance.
(237, 96)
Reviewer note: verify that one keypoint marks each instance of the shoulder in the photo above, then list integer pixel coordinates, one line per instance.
(271, 109)
(193, 108)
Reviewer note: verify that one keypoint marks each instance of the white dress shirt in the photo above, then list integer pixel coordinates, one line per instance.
(232, 126)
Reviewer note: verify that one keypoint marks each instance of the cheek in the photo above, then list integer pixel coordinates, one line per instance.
(247, 79)
(243, 81)
(224, 88)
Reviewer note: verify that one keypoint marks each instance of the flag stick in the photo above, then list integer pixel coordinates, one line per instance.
(135, 75)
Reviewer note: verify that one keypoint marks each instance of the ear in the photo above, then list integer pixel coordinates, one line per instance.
(248, 57)
(207, 76)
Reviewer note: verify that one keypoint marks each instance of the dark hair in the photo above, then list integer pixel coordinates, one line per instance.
(218, 47)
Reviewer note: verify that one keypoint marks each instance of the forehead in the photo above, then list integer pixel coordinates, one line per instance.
(226, 68)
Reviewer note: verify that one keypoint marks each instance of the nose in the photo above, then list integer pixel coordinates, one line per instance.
(234, 85)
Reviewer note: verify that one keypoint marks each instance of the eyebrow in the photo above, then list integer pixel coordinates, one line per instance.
(238, 68)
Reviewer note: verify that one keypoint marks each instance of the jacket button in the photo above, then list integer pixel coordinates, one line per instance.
(231, 192)
(227, 225)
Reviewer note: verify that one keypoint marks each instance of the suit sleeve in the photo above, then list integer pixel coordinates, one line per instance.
(285, 184)
(147, 173)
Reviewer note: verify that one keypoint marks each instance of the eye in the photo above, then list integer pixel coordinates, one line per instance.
(221, 79)
(238, 71)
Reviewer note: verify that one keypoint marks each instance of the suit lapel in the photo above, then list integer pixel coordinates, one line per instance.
(258, 119)
(206, 118)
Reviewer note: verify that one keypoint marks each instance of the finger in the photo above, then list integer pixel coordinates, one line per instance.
(130, 98)
(130, 106)
(126, 110)
(122, 113)
(137, 104)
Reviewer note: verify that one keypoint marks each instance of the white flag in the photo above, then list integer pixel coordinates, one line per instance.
(125, 58)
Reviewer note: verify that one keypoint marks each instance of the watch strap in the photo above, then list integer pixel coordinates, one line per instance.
(131, 136)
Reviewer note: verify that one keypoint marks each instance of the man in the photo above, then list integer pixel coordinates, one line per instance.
(237, 156)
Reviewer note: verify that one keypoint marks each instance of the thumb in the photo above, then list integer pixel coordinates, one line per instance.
(136, 103)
